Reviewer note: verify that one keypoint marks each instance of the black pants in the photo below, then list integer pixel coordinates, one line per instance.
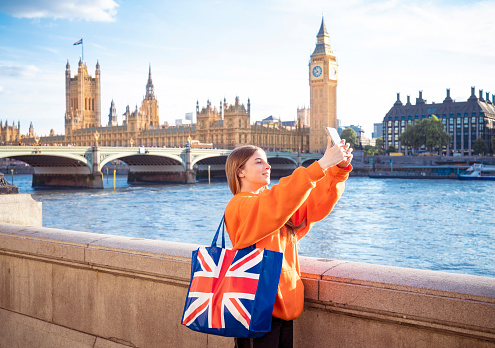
(280, 336)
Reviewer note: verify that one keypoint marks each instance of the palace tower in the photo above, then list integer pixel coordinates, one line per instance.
(323, 91)
(146, 117)
(82, 98)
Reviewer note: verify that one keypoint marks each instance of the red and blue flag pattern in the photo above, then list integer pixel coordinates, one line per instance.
(231, 288)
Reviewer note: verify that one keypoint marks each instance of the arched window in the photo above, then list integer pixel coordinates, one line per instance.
(93, 101)
(85, 103)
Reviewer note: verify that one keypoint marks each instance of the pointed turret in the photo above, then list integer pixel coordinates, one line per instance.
(112, 116)
(97, 70)
(322, 40)
(67, 70)
(323, 28)
(150, 93)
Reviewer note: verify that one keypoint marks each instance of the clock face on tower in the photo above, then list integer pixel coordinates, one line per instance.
(332, 73)
(317, 71)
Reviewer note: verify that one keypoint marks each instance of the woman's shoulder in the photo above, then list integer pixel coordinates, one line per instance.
(240, 197)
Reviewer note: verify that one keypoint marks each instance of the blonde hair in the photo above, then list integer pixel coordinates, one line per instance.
(236, 161)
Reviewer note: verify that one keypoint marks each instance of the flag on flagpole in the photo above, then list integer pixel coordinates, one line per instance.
(78, 42)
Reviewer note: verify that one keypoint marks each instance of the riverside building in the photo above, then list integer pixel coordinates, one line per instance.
(464, 121)
(227, 126)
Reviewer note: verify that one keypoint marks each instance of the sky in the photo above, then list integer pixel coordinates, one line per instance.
(259, 49)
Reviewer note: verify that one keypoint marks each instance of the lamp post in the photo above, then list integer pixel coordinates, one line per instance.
(97, 135)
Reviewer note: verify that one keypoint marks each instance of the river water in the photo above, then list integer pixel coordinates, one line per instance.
(444, 225)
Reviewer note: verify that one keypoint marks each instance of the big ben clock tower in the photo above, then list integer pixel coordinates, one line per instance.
(323, 91)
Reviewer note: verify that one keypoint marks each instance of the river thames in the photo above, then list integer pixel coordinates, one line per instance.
(443, 225)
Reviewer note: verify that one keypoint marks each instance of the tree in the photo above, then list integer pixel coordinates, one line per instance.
(391, 149)
(428, 132)
(350, 137)
(435, 135)
(479, 146)
(411, 137)
(493, 144)
(379, 145)
(370, 150)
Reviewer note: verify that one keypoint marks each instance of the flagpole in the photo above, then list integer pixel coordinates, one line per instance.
(82, 47)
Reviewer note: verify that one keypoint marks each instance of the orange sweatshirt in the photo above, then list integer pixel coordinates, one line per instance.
(309, 193)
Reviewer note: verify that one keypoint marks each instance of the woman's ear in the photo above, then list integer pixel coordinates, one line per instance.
(240, 173)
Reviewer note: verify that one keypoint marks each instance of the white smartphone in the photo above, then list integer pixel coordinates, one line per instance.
(333, 134)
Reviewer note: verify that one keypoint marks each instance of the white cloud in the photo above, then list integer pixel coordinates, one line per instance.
(89, 10)
(18, 71)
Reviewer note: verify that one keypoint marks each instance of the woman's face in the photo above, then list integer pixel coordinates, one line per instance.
(255, 174)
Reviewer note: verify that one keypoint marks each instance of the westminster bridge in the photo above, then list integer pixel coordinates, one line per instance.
(81, 166)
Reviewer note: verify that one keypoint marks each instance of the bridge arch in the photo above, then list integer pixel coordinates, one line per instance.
(277, 159)
(133, 158)
(45, 160)
(308, 161)
(205, 156)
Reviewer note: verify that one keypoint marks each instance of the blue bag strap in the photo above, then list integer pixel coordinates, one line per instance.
(222, 225)
(215, 238)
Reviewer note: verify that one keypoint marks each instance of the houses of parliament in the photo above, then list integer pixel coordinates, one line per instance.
(226, 126)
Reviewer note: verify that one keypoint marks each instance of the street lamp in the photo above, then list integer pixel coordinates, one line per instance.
(97, 135)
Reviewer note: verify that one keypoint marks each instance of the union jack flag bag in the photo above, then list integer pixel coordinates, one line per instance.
(232, 292)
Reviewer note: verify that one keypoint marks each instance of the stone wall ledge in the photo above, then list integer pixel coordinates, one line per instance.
(459, 307)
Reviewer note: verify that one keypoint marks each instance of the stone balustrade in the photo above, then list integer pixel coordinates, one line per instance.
(62, 288)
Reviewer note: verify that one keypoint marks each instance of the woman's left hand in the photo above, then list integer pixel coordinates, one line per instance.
(347, 155)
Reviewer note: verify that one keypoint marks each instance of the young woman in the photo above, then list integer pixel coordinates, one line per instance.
(277, 218)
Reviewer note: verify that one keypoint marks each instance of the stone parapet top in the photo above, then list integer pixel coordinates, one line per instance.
(462, 286)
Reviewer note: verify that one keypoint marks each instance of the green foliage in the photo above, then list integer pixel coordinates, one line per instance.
(350, 137)
(379, 144)
(493, 144)
(479, 146)
(391, 149)
(374, 150)
(428, 132)
(370, 150)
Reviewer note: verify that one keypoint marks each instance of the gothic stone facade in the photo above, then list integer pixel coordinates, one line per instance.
(226, 127)
(10, 134)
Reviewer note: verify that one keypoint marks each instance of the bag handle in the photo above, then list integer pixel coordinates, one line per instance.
(215, 238)
(222, 224)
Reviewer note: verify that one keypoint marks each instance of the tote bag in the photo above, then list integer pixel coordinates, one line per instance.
(232, 292)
